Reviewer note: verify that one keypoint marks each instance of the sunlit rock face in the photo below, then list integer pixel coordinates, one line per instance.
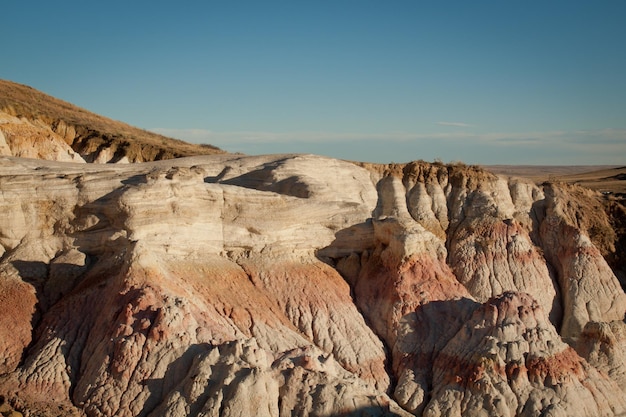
(508, 359)
(301, 285)
(23, 138)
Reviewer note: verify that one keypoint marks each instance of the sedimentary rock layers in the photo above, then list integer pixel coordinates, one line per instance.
(24, 139)
(301, 285)
(591, 292)
(508, 359)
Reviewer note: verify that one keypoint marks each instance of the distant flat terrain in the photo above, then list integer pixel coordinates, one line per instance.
(603, 178)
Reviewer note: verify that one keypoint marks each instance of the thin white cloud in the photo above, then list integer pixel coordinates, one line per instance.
(218, 138)
(455, 124)
(578, 138)
(558, 146)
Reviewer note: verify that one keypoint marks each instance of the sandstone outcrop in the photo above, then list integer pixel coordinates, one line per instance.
(301, 285)
(603, 345)
(509, 360)
(591, 292)
(20, 138)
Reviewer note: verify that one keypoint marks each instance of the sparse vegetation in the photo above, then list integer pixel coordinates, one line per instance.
(80, 127)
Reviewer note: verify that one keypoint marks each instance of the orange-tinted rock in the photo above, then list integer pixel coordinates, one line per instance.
(317, 301)
(510, 354)
(17, 316)
(603, 345)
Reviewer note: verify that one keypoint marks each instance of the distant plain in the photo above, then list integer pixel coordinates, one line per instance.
(603, 178)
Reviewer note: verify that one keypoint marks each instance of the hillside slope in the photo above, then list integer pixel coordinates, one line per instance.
(33, 124)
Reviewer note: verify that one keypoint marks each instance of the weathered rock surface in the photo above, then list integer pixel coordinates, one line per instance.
(20, 138)
(591, 292)
(301, 285)
(509, 360)
(604, 346)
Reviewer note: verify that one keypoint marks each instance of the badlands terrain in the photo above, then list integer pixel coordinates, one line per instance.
(179, 280)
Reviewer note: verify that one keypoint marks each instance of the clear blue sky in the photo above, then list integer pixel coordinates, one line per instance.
(489, 82)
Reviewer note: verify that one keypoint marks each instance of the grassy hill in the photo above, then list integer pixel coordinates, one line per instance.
(88, 133)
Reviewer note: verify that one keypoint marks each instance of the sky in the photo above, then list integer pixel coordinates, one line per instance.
(483, 82)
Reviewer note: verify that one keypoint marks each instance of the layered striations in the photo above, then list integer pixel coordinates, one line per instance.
(301, 285)
(508, 359)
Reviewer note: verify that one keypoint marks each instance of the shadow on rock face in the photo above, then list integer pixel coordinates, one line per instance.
(369, 412)
(51, 281)
(176, 372)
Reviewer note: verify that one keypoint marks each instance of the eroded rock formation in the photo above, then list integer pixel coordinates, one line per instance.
(301, 285)
(508, 359)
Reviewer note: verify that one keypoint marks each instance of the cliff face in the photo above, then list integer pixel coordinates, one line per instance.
(302, 285)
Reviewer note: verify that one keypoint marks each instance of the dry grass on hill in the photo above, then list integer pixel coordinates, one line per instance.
(85, 131)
